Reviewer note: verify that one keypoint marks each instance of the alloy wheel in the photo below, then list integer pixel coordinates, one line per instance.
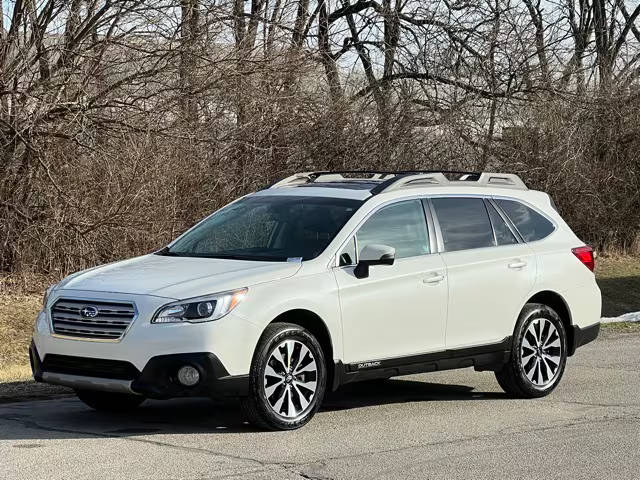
(290, 379)
(541, 352)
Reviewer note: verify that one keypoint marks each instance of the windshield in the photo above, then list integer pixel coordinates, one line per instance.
(271, 228)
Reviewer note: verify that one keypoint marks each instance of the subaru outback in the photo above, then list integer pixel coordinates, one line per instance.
(327, 278)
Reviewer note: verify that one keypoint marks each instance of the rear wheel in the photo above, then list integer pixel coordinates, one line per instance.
(109, 401)
(538, 355)
(287, 380)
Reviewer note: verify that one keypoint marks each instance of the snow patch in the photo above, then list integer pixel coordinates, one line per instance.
(627, 317)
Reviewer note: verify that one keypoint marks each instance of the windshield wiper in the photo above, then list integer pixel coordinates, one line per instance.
(229, 256)
(164, 251)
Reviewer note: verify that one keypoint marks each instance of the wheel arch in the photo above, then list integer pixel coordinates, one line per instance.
(318, 327)
(557, 302)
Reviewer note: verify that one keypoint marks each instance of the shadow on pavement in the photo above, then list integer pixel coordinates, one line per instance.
(395, 390)
(69, 418)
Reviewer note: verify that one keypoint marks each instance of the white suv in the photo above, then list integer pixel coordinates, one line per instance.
(327, 278)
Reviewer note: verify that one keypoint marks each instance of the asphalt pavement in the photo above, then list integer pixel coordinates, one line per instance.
(455, 424)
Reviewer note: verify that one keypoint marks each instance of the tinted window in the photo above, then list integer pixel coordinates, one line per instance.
(464, 223)
(401, 226)
(531, 225)
(503, 233)
(273, 228)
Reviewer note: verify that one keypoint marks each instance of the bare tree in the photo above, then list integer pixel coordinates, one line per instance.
(123, 121)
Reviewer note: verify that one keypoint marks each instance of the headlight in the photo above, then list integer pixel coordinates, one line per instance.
(45, 298)
(42, 324)
(200, 309)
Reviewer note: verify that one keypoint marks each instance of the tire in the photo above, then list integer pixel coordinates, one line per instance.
(279, 398)
(109, 401)
(538, 358)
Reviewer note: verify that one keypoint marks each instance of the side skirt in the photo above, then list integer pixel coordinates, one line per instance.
(483, 357)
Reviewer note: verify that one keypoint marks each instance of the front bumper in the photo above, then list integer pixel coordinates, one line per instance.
(158, 379)
(232, 338)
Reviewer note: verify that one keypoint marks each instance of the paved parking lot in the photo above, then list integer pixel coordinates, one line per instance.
(454, 424)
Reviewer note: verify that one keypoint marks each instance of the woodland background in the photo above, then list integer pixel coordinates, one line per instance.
(122, 122)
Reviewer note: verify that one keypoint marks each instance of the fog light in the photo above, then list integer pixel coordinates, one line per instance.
(188, 376)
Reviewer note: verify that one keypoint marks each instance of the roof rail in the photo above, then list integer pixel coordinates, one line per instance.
(339, 175)
(390, 180)
(330, 176)
(484, 179)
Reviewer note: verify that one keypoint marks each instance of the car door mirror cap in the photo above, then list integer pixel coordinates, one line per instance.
(374, 254)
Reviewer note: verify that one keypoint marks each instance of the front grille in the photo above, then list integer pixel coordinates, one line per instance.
(91, 319)
(89, 367)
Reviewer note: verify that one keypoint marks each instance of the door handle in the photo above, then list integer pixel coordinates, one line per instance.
(433, 279)
(517, 264)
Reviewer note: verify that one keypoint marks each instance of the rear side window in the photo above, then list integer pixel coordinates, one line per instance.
(504, 236)
(464, 223)
(401, 226)
(531, 225)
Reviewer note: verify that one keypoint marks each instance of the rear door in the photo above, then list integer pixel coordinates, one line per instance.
(399, 309)
(489, 269)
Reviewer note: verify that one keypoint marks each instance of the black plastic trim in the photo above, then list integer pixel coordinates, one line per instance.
(36, 364)
(157, 379)
(483, 357)
(90, 367)
(582, 336)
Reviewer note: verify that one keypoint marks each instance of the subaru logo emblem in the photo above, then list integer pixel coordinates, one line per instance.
(89, 312)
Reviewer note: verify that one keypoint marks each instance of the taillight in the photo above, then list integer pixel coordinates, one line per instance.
(585, 255)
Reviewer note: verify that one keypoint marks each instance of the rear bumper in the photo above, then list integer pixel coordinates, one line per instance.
(582, 336)
(156, 380)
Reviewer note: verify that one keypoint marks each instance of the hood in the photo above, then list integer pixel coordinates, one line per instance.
(177, 277)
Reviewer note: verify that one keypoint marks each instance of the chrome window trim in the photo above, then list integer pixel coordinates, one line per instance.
(89, 301)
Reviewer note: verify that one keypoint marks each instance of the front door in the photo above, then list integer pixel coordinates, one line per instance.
(399, 309)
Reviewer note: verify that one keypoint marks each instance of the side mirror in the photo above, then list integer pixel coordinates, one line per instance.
(374, 255)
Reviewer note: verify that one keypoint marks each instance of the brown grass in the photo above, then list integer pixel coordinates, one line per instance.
(17, 317)
(619, 281)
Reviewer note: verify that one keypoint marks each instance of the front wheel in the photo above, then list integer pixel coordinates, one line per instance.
(287, 379)
(538, 354)
(109, 401)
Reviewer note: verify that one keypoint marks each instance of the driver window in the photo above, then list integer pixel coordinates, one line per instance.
(402, 226)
